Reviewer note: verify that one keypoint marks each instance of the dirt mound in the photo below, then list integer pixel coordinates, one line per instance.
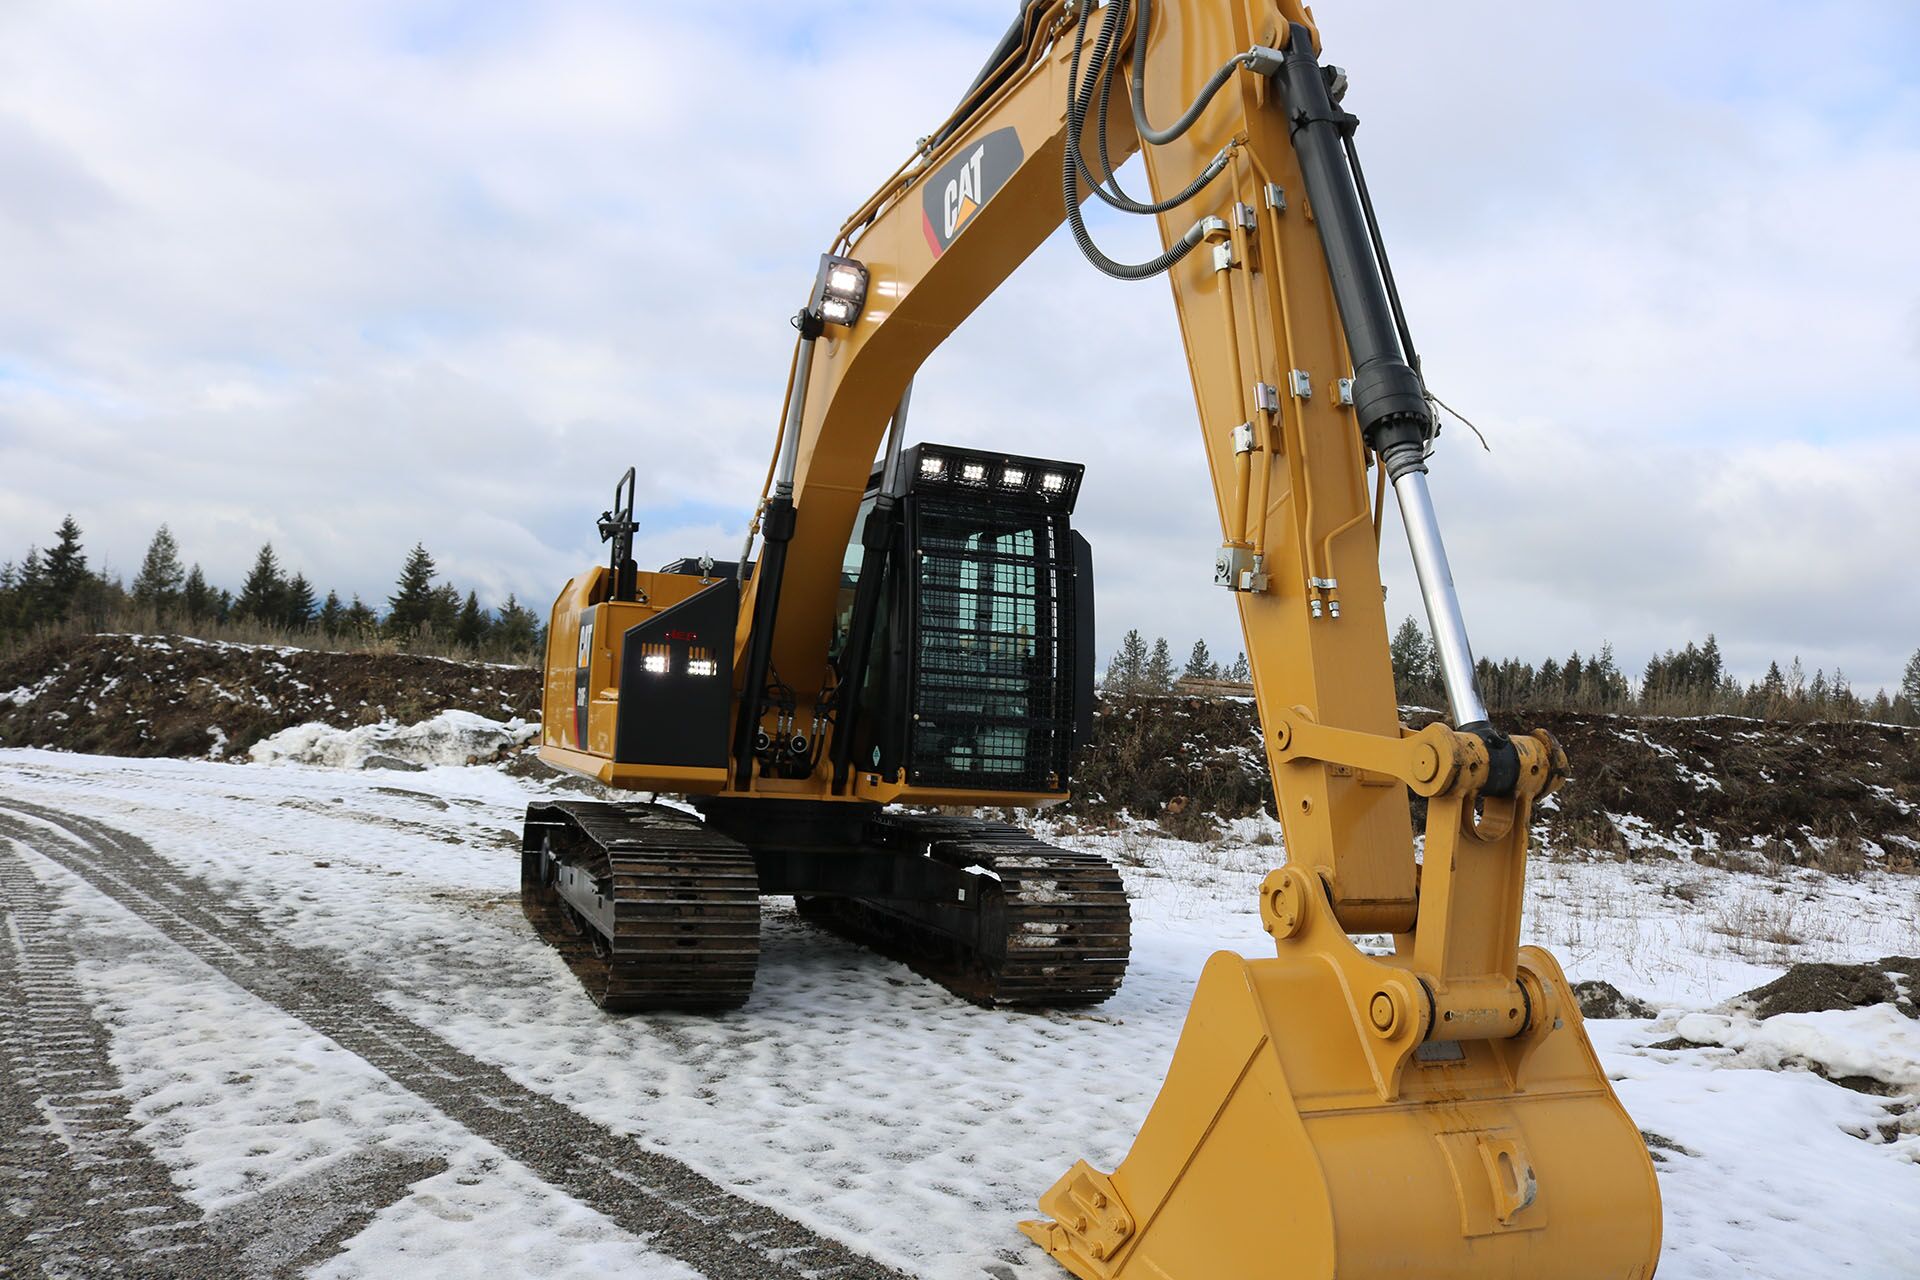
(171, 696)
(1738, 792)
(1604, 1000)
(1812, 988)
(1840, 795)
(1742, 792)
(1185, 761)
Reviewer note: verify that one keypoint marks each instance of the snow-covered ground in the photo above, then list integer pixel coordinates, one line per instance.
(862, 1101)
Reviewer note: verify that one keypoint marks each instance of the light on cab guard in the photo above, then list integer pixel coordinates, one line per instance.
(932, 467)
(1053, 482)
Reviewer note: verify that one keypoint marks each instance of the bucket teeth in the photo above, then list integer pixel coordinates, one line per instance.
(1090, 1224)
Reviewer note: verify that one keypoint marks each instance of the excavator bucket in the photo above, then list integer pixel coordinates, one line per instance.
(1277, 1150)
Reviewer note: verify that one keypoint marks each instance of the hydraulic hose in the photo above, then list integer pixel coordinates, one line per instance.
(1080, 98)
(1106, 185)
(1160, 137)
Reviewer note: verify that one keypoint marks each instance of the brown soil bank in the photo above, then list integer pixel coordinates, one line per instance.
(1843, 795)
(170, 696)
(1812, 988)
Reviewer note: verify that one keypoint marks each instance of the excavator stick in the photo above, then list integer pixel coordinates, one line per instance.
(1437, 1111)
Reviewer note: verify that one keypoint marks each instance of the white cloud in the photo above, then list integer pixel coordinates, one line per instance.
(356, 275)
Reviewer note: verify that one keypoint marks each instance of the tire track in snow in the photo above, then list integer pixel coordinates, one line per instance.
(82, 1195)
(677, 1211)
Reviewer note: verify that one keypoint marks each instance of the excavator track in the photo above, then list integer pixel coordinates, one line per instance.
(684, 904)
(1054, 927)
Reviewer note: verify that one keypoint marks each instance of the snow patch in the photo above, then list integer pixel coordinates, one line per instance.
(28, 692)
(1877, 1042)
(450, 738)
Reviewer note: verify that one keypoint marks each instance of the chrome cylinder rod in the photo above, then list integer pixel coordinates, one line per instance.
(1443, 602)
(796, 411)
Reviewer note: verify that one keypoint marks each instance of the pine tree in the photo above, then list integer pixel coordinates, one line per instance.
(1239, 672)
(1158, 677)
(263, 596)
(1845, 705)
(29, 591)
(332, 615)
(1200, 664)
(1127, 672)
(157, 585)
(63, 573)
(445, 616)
(197, 598)
(1416, 674)
(296, 610)
(471, 629)
(517, 630)
(1613, 685)
(360, 621)
(410, 607)
(1910, 684)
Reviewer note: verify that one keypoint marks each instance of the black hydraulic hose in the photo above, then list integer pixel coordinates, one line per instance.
(1160, 137)
(1107, 185)
(1079, 99)
(1380, 254)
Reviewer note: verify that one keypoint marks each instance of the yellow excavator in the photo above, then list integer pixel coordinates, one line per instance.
(915, 634)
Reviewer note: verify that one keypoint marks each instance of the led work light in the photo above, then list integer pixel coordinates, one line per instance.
(840, 290)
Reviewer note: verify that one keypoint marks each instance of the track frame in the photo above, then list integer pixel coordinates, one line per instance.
(984, 908)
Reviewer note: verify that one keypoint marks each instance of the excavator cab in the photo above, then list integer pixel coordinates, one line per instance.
(964, 637)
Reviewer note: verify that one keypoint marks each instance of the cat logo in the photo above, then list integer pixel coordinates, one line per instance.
(955, 192)
(961, 200)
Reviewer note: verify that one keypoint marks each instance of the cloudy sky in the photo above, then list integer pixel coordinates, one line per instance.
(353, 275)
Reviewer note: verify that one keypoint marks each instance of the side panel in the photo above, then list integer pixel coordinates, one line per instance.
(563, 710)
(675, 695)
